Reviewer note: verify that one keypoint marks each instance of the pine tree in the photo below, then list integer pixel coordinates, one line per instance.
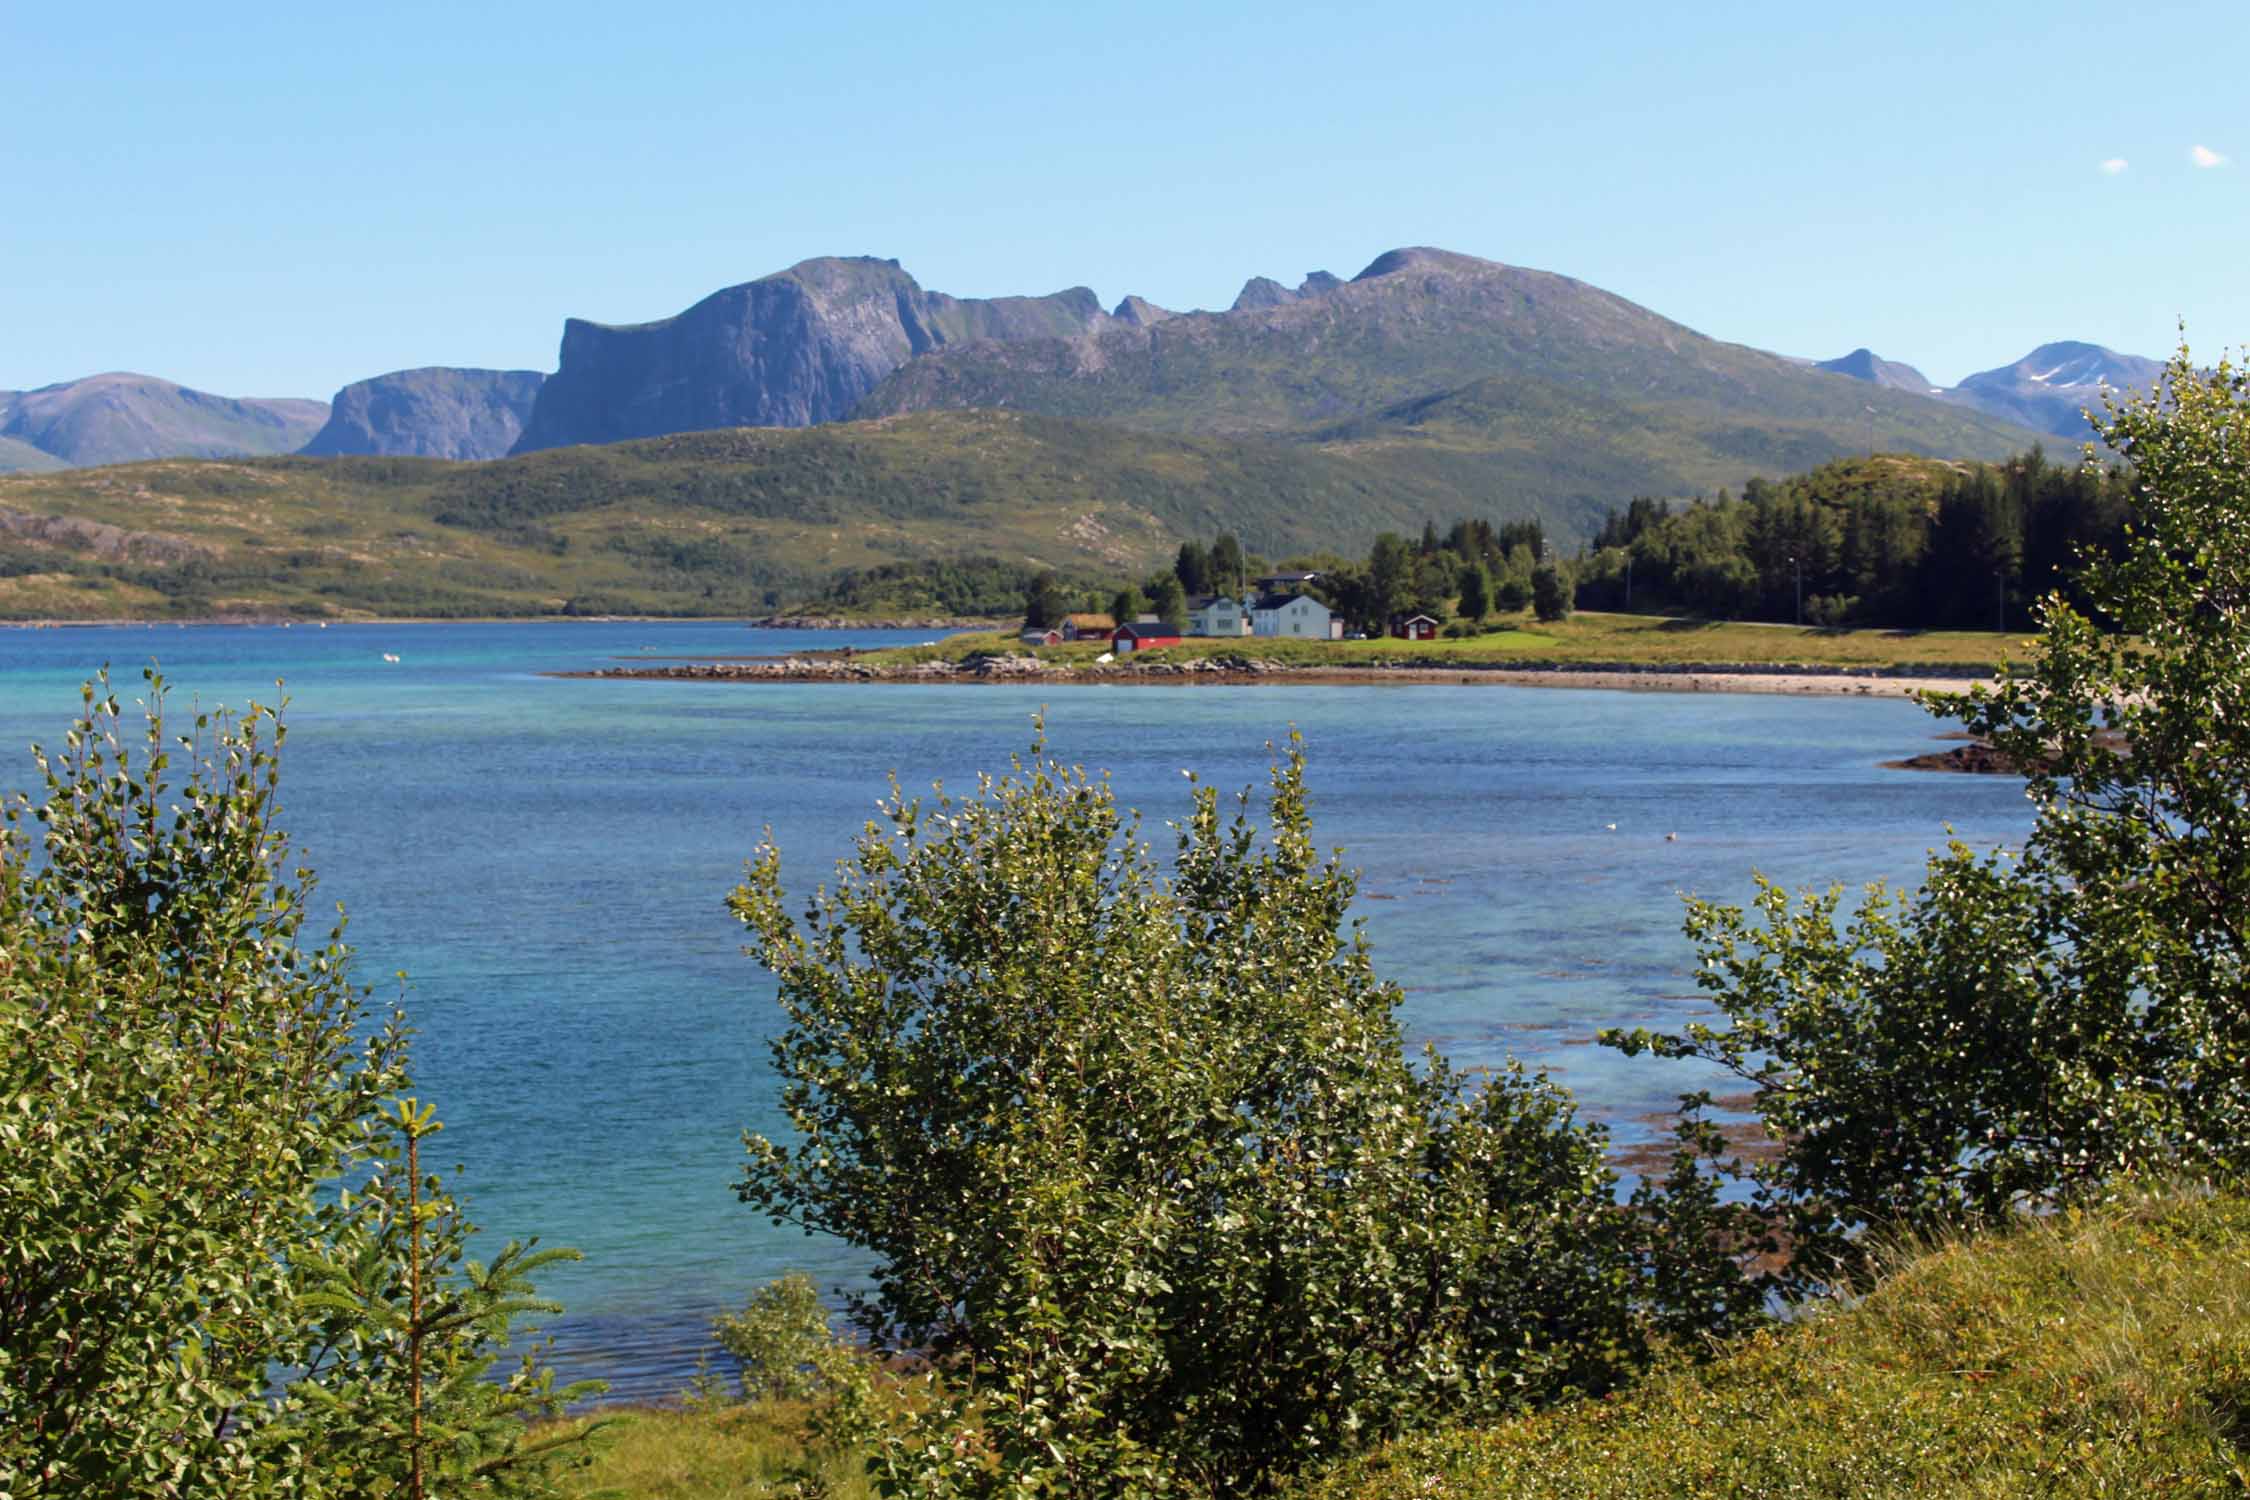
(1193, 568)
(1476, 593)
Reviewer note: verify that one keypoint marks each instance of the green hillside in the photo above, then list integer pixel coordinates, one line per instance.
(2096, 1355)
(1477, 377)
(1416, 324)
(730, 522)
(2104, 1355)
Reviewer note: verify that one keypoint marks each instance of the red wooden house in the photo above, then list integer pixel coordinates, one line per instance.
(1415, 628)
(1143, 635)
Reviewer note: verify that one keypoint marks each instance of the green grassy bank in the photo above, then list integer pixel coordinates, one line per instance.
(1642, 640)
(2088, 1356)
(2101, 1354)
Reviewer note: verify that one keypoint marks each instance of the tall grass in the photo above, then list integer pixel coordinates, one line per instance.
(2104, 1353)
(743, 1452)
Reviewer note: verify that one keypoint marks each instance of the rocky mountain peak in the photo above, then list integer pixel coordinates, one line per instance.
(1423, 258)
(1261, 291)
(2053, 386)
(1864, 364)
(435, 412)
(1139, 312)
(788, 350)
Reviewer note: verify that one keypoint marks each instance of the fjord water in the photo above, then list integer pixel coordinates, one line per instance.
(547, 860)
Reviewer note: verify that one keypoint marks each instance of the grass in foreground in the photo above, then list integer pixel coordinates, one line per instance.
(2104, 1354)
(2101, 1355)
(1639, 640)
(723, 1453)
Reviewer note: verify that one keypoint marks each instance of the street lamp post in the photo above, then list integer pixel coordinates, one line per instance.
(1797, 573)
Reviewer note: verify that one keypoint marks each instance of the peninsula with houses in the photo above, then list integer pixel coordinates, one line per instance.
(1279, 609)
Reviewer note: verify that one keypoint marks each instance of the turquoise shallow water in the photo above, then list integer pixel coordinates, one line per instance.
(547, 859)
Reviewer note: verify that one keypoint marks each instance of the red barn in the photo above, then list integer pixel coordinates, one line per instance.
(1415, 628)
(1143, 635)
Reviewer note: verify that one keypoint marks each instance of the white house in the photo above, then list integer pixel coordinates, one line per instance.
(1297, 615)
(1217, 614)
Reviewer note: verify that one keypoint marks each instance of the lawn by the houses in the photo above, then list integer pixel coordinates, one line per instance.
(1629, 640)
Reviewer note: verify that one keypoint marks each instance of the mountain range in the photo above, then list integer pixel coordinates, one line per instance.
(118, 417)
(838, 419)
(837, 338)
(2048, 388)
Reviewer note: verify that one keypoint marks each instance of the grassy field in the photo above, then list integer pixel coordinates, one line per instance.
(1640, 640)
(2104, 1354)
(727, 1453)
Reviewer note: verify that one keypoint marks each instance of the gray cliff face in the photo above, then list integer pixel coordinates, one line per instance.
(789, 350)
(430, 413)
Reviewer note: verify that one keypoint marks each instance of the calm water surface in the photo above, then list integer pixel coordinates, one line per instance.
(547, 859)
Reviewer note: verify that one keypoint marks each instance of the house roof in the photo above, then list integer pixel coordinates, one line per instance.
(1410, 619)
(1089, 622)
(1145, 629)
(1282, 601)
(1205, 601)
(1270, 579)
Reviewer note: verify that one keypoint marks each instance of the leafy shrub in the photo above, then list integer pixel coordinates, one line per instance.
(2025, 1027)
(1831, 609)
(1148, 1178)
(1550, 594)
(189, 1305)
(779, 1341)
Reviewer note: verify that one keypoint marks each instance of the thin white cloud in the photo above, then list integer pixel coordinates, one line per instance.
(2114, 165)
(2204, 156)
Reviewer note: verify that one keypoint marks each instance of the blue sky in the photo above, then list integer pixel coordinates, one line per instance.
(275, 204)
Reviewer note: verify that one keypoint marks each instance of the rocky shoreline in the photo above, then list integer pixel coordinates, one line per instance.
(1230, 669)
(1976, 759)
(903, 622)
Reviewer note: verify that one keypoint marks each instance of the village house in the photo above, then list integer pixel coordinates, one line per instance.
(1299, 616)
(1143, 635)
(1087, 627)
(1414, 628)
(1218, 614)
(1041, 635)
